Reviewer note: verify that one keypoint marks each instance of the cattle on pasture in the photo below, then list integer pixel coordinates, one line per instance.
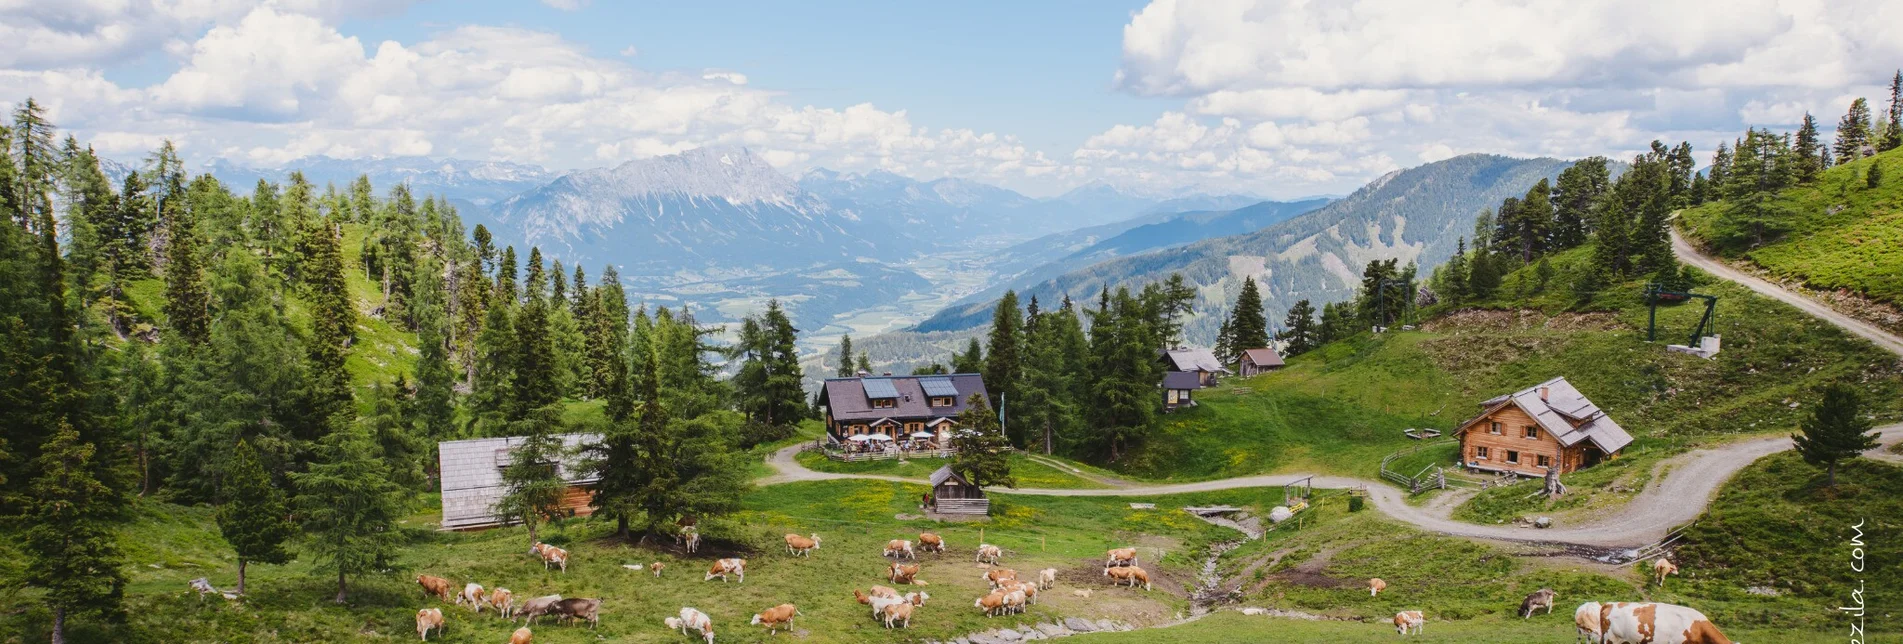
(1542, 598)
(776, 617)
(724, 567)
(427, 620)
(1409, 621)
(1654, 623)
(437, 586)
(801, 546)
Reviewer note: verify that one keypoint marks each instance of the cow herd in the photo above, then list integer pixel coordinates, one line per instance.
(1604, 623)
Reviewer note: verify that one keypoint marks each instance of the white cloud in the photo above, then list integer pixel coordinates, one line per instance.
(566, 5)
(629, 52)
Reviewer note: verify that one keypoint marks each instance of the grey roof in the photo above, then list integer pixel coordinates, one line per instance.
(938, 386)
(472, 475)
(847, 400)
(1182, 380)
(1264, 357)
(1193, 359)
(1566, 414)
(945, 472)
(878, 388)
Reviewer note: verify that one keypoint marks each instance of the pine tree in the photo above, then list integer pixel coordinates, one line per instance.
(70, 533)
(1298, 329)
(349, 507)
(1003, 357)
(1836, 430)
(980, 451)
(1893, 135)
(1853, 132)
(845, 356)
(1248, 324)
(186, 302)
(255, 515)
(532, 483)
(1808, 145)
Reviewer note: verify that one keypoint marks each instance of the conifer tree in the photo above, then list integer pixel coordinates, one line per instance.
(685, 466)
(1003, 359)
(1808, 145)
(1720, 166)
(845, 356)
(971, 361)
(1226, 339)
(1176, 299)
(1124, 395)
(1578, 191)
(255, 515)
(435, 377)
(1298, 329)
(979, 447)
(1873, 177)
(1853, 132)
(534, 381)
(558, 289)
(1248, 324)
(532, 483)
(493, 390)
(333, 319)
(70, 535)
(608, 346)
(1836, 430)
(349, 507)
(1044, 405)
(865, 360)
(1535, 221)
(187, 311)
(506, 292)
(1893, 131)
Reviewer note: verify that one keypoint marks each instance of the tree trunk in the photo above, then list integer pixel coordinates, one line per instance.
(1832, 480)
(1047, 437)
(621, 527)
(59, 625)
(340, 585)
(241, 567)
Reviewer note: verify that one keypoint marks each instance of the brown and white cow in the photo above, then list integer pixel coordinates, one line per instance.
(776, 617)
(503, 601)
(988, 553)
(553, 556)
(1661, 568)
(992, 604)
(898, 613)
(899, 573)
(1409, 621)
(1047, 579)
(1120, 557)
(690, 537)
(522, 636)
(1586, 623)
(998, 576)
(900, 549)
(917, 598)
(724, 567)
(929, 542)
(472, 594)
(578, 608)
(877, 591)
(1375, 586)
(1653, 623)
(801, 546)
(537, 607)
(429, 619)
(1128, 575)
(436, 586)
(656, 567)
(1542, 598)
(1029, 589)
(694, 619)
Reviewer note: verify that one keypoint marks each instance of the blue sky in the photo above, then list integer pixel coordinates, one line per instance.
(1271, 97)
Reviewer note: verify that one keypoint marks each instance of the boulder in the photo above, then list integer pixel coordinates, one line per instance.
(1543, 522)
(1106, 625)
(1053, 630)
(1280, 513)
(1079, 625)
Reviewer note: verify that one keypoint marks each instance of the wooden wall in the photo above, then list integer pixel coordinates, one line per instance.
(1512, 437)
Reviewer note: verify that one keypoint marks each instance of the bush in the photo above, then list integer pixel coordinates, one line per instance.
(1355, 503)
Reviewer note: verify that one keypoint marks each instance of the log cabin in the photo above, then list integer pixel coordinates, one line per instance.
(472, 479)
(952, 494)
(897, 406)
(1548, 425)
(1194, 360)
(1179, 388)
(1256, 361)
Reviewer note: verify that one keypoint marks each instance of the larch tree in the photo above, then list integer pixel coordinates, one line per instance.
(349, 507)
(255, 515)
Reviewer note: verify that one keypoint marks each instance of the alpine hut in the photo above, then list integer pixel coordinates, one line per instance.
(952, 494)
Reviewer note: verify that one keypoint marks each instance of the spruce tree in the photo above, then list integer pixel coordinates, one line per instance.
(534, 383)
(70, 533)
(333, 319)
(1298, 329)
(1580, 188)
(1003, 357)
(1874, 176)
(187, 311)
(1248, 324)
(785, 392)
(532, 483)
(1893, 134)
(687, 465)
(865, 360)
(1043, 404)
(1808, 145)
(1853, 132)
(1536, 221)
(435, 377)
(980, 451)
(845, 356)
(255, 515)
(1226, 340)
(608, 346)
(349, 507)
(1176, 300)
(971, 361)
(1124, 398)
(1836, 430)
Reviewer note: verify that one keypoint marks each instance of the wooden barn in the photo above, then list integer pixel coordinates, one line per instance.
(1548, 425)
(1179, 389)
(1199, 361)
(472, 479)
(1256, 361)
(952, 494)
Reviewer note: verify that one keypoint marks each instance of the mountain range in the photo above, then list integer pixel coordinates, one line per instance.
(477, 182)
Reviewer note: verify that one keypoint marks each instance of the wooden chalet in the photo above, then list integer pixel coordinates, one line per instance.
(1256, 361)
(1547, 426)
(472, 479)
(1179, 389)
(897, 408)
(1199, 361)
(952, 494)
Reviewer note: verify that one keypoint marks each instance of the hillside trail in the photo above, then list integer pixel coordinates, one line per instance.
(1674, 499)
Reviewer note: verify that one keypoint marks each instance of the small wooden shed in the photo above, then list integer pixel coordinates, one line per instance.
(952, 494)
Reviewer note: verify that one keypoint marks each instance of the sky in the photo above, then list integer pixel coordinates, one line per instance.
(1279, 98)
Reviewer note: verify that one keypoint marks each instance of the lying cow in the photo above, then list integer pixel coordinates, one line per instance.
(427, 620)
(1541, 598)
(1375, 586)
(929, 542)
(436, 586)
(693, 619)
(999, 576)
(990, 554)
(801, 546)
(1047, 579)
(472, 594)
(1586, 623)
(537, 607)
(899, 573)
(897, 614)
(1129, 576)
(1661, 568)
(1120, 557)
(1653, 623)
(503, 601)
(900, 549)
(877, 591)
(522, 636)
(776, 617)
(1409, 621)
(724, 567)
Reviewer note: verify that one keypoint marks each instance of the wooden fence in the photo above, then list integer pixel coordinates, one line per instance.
(1431, 477)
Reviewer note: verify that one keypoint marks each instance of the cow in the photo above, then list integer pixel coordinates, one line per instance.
(899, 573)
(877, 591)
(1120, 557)
(801, 546)
(899, 549)
(503, 601)
(880, 602)
(998, 576)
(1586, 623)
(657, 566)
(437, 586)
(1661, 568)
(1653, 623)
(553, 556)
(929, 542)
(992, 604)
(1409, 620)
(537, 607)
(1047, 579)
(776, 617)
(898, 613)
(1014, 601)
(429, 619)
(694, 619)
(522, 636)
(578, 608)
(988, 553)
(724, 567)
(690, 537)
(1028, 588)
(1375, 586)
(1541, 598)
(1128, 575)
(472, 594)
(917, 598)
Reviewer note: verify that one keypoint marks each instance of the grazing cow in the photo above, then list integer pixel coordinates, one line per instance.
(1028, 588)
(522, 636)
(1375, 586)
(1652, 623)
(988, 553)
(999, 576)
(537, 607)
(798, 545)
(992, 604)
(775, 617)
(657, 566)
(878, 603)
(724, 567)
(472, 594)
(1661, 568)
(898, 613)
(929, 542)
(428, 619)
(1586, 623)
(900, 549)
(1047, 579)
(1409, 620)
(1120, 557)
(1014, 601)
(690, 538)
(437, 586)
(1541, 598)
(503, 601)
(1129, 576)
(553, 556)
(694, 619)
(899, 573)
(917, 598)
(588, 609)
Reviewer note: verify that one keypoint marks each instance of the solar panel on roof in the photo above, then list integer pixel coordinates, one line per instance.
(879, 388)
(938, 387)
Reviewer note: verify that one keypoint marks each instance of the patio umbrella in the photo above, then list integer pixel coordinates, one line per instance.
(860, 438)
(922, 434)
(879, 437)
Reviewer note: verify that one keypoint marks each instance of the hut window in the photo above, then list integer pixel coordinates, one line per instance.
(1513, 457)
(1494, 428)
(1532, 432)
(941, 401)
(1481, 452)
(1543, 461)
(884, 403)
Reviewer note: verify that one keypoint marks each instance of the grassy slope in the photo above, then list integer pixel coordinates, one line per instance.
(1029, 473)
(1859, 247)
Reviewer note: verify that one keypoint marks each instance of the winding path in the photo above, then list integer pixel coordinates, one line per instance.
(1676, 498)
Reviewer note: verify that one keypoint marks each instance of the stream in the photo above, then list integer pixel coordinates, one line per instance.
(1210, 590)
